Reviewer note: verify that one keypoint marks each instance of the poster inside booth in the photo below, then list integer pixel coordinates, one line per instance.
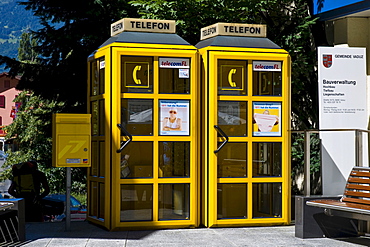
(266, 118)
(174, 117)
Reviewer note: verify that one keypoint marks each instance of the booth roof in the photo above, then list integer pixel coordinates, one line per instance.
(236, 41)
(146, 38)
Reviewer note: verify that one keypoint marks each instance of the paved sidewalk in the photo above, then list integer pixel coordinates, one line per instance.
(89, 235)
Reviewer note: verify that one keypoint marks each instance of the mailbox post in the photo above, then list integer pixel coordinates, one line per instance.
(71, 148)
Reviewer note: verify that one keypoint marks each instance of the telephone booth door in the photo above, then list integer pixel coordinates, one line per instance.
(246, 176)
(156, 160)
(145, 172)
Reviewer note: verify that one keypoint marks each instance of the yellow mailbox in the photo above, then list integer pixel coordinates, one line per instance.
(71, 140)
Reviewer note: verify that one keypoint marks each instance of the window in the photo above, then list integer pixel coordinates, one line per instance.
(7, 84)
(2, 101)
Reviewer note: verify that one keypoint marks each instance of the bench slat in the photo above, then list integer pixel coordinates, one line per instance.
(344, 206)
(355, 200)
(359, 180)
(357, 193)
(360, 168)
(360, 174)
(358, 187)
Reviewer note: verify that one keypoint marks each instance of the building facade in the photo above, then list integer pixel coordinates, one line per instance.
(7, 96)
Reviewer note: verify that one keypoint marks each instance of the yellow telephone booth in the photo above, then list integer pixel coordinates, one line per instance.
(183, 135)
(246, 122)
(143, 101)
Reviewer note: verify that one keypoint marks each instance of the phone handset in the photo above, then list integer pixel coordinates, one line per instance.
(230, 77)
(134, 72)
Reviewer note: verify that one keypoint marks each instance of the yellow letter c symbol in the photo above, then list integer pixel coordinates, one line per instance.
(230, 77)
(134, 72)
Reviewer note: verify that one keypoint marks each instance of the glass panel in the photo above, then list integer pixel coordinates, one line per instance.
(101, 118)
(94, 118)
(93, 200)
(232, 117)
(232, 160)
(101, 201)
(266, 159)
(267, 78)
(137, 74)
(137, 116)
(267, 200)
(137, 160)
(232, 77)
(94, 161)
(136, 202)
(174, 159)
(101, 75)
(174, 78)
(231, 201)
(97, 76)
(94, 86)
(102, 159)
(174, 201)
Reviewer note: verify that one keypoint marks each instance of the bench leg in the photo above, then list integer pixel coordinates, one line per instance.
(363, 227)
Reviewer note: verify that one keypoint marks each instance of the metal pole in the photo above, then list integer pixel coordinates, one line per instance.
(358, 148)
(307, 164)
(68, 198)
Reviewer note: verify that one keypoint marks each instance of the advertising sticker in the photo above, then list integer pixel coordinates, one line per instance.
(266, 119)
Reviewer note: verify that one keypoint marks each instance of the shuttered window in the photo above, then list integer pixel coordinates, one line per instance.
(2, 101)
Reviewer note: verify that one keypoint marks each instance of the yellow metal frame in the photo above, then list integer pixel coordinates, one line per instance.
(164, 51)
(203, 179)
(210, 55)
(106, 222)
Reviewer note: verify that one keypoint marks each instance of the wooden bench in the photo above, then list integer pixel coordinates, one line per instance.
(355, 202)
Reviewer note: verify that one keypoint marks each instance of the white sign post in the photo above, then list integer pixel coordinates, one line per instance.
(342, 99)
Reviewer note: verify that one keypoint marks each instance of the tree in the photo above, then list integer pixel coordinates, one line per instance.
(26, 49)
(53, 63)
(32, 130)
(69, 33)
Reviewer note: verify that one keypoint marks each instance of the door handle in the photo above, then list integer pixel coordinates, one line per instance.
(127, 134)
(219, 130)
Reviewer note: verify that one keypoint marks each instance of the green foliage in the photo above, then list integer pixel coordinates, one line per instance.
(69, 33)
(32, 130)
(297, 153)
(81, 197)
(26, 49)
(13, 22)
